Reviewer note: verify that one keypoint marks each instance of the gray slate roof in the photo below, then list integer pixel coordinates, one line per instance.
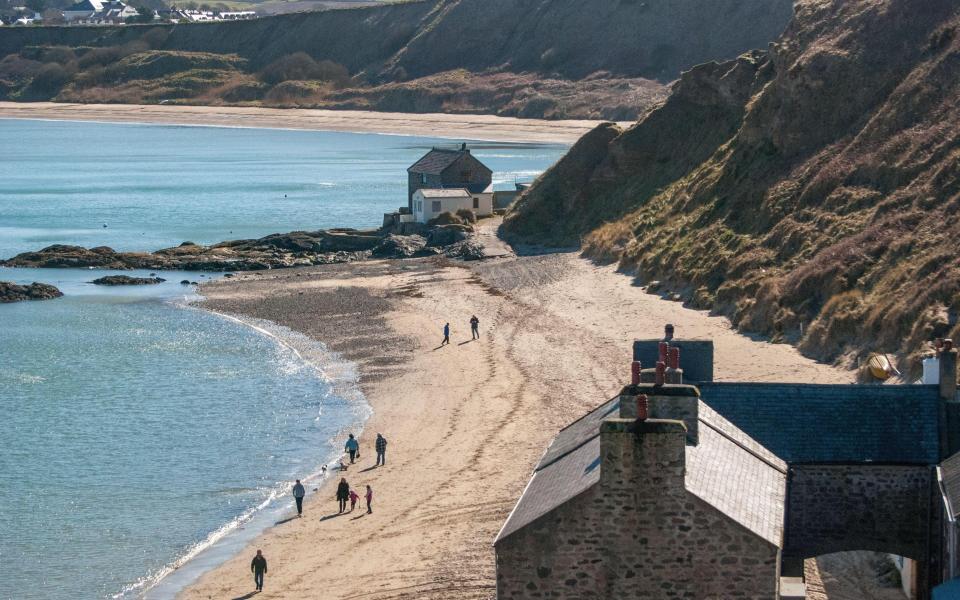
(435, 161)
(728, 470)
(820, 423)
(737, 476)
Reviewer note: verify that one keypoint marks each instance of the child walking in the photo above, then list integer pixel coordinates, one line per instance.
(353, 499)
(369, 500)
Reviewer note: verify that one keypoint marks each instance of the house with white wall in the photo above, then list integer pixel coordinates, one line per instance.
(429, 203)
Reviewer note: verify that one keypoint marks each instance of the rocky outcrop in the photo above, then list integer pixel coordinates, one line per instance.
(276, 251)
(811, 193)
(298, 248)
(11, 292)
(127, 280)
(400, 246)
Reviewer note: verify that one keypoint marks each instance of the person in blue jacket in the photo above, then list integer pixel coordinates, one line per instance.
(353, 447)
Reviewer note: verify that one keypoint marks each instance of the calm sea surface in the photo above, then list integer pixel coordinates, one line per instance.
(140, 434)
(157, 186)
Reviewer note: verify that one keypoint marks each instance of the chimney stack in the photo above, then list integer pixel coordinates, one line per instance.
(676, 402)
(645, 457)
(948, 370)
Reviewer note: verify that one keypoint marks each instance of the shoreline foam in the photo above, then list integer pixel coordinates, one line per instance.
(229, 538)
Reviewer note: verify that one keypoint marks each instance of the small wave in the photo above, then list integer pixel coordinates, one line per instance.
(150, 580)
(303, 353)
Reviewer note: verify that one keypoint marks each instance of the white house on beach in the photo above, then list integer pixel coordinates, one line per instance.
(429, 203)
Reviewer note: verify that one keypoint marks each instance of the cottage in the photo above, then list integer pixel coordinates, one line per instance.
(725, 488)
(430, 203)
(444, 168)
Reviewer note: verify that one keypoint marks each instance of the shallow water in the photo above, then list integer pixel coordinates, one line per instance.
(136, 428)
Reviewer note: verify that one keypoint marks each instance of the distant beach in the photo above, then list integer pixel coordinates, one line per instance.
(465, 422)
(471, 127)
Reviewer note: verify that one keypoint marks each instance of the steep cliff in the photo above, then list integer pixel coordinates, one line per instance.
(654, 39)
(815, 201)
(529, 58)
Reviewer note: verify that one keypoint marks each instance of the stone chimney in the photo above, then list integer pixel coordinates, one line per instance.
(648, 457)
(670, 402)
(948, 371)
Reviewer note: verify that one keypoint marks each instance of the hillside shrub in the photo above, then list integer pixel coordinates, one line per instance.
(48, 81)
(299, 66)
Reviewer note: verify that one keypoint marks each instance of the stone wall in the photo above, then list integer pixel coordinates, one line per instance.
(833, 508)
(637, 534)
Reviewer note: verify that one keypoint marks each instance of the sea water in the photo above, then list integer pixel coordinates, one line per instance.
(143, 439)
(146, 187)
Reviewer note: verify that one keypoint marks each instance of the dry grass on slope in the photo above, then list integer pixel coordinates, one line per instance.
(828, 216)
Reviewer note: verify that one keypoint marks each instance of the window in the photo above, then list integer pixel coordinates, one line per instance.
(436, 206)
(423, 178)
(476, 202)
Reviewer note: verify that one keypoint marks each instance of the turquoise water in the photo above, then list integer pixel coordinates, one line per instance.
(157, 186)
(144, 440)
(135, 429)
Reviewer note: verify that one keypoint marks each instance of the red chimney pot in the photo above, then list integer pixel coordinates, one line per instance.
(661, 372)
(635, 372)
(664, 347)
(673, 358)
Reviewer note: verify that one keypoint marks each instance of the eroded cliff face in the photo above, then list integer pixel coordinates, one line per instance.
(815, 200)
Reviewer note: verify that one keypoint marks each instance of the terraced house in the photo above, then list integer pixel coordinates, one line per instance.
(721, 490)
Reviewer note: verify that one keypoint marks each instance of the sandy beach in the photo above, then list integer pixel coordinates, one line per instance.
(465, 422)
(472, 127)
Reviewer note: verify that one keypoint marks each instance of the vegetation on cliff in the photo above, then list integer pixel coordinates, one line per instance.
(531, 58)
(811, 192)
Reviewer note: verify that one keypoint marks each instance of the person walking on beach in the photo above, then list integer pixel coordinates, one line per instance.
(298, 494)
(381, 446)
(353, 500)
(353, 447)
(343, 493)
(446, 335)
(369, 500)
(475, 327)
(259, 567)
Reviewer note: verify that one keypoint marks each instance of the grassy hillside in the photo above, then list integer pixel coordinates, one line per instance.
(537, 58)
(811, 193)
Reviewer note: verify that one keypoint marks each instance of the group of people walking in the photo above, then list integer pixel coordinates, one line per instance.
(344, 493)
(258, 566)
(474, 330)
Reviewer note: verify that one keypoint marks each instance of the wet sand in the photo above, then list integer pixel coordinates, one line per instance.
(465, 422)
(471, 127)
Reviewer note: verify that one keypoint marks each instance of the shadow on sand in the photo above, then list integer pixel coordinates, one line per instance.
(331, 516)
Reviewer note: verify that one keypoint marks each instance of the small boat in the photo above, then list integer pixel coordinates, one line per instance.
(880, 367)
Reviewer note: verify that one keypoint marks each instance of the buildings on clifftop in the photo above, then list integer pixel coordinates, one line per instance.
(721, 490)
